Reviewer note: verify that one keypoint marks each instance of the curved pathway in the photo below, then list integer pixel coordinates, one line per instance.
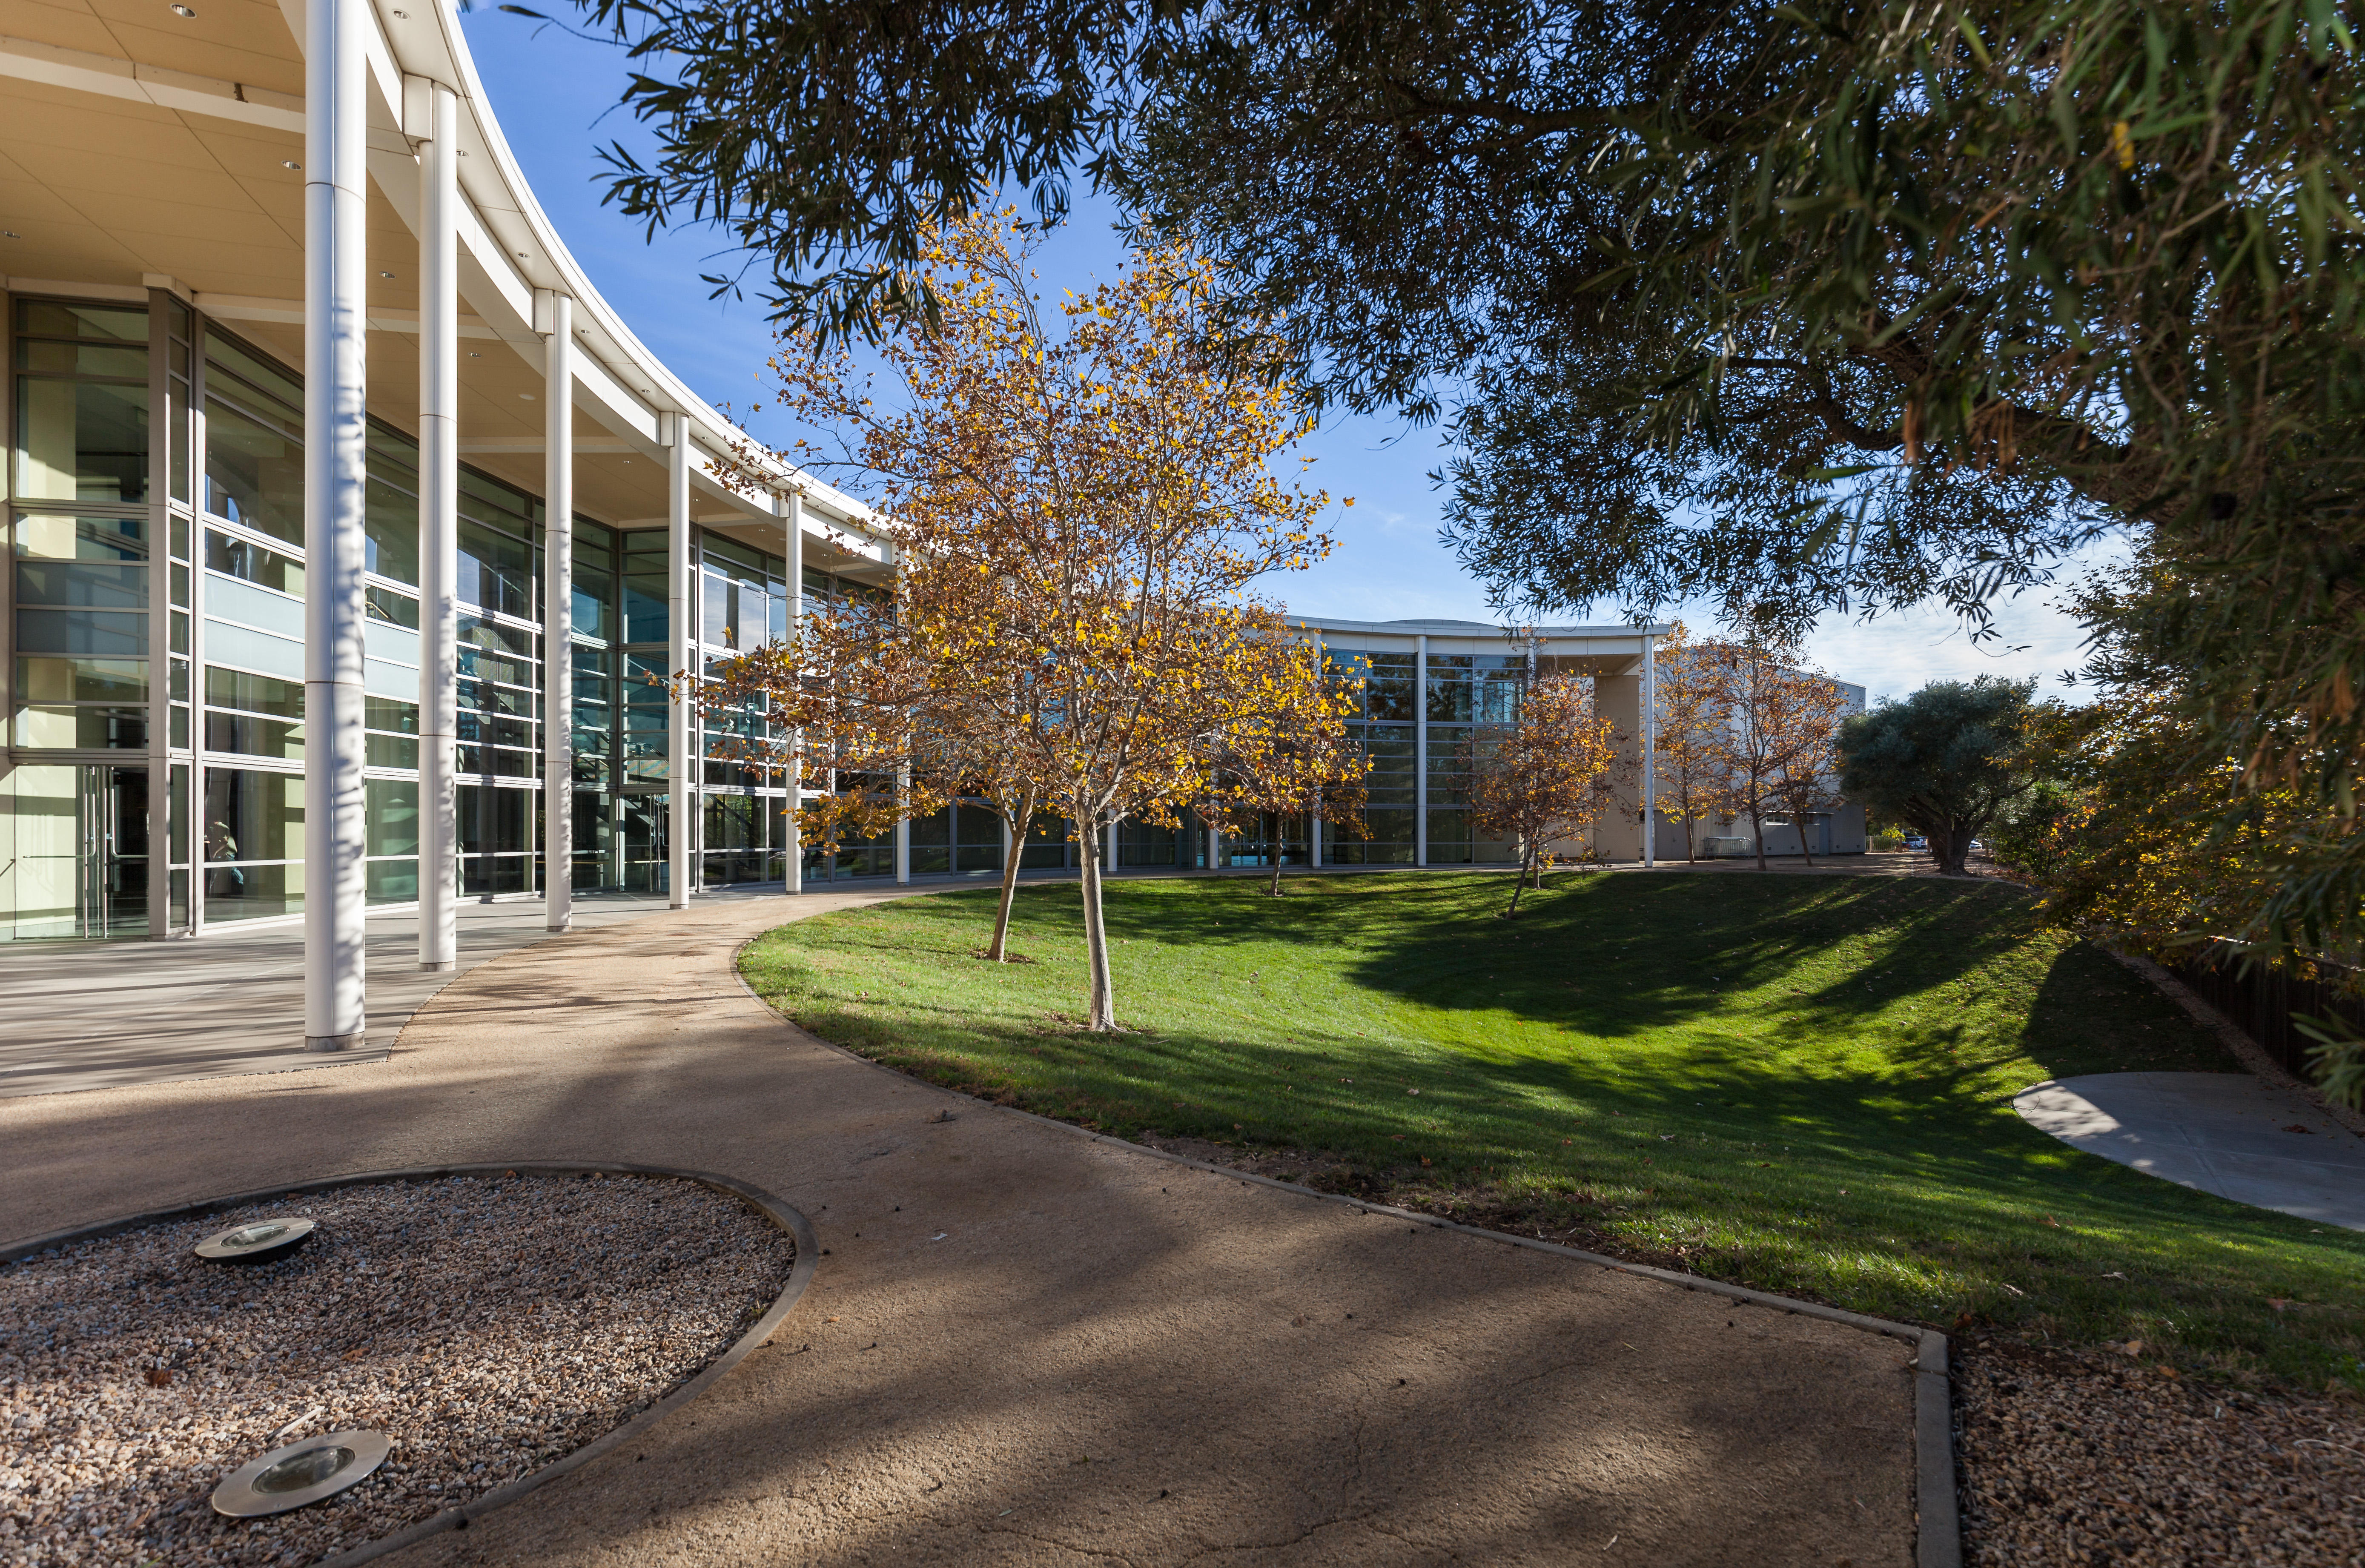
(2225, 1133)
(1028, 1345)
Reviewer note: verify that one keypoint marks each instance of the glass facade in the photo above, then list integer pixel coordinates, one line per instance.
(92, 543)
(154, 628)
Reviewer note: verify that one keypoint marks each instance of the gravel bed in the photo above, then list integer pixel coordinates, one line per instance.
(488, 1325)
(2110, 1459)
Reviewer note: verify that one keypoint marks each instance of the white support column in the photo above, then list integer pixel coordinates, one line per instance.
(1650, 749)
(1314, 839)
(336, 221)
(439, 531)
(558, 611)
(903, 851)
(161, 439)
(1215, 848)
(1108, 860)
(1420, 752)
(682, 761)
(795, 522)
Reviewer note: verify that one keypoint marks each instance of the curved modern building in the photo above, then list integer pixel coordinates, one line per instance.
(348, 525)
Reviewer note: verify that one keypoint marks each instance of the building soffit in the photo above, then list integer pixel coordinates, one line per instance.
(621, 385)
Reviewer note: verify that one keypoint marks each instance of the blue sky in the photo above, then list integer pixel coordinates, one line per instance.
(549, 90)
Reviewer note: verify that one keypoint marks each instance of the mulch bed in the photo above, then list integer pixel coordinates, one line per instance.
(488, 1325)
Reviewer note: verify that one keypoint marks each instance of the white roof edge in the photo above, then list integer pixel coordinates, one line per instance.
(707, 426)
(1478, 629)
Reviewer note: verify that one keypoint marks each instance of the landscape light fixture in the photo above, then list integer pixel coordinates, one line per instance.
(304, 1472)
(263, 1241)
(183, 11)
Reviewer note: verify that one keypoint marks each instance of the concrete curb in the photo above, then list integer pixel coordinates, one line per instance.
(781, 1215)
(1938, 1542)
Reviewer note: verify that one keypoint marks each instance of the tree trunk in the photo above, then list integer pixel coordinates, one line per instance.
(998, 950)
(1952, 846)
(1691, 856)
(1104, 997)
(1799, 821)
(1757, 830)
(1274, 891)
(1519, 882)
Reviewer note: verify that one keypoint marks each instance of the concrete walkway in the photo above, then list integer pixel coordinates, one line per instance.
(101, 1015)
(1026, 1346)
(2220, 1132)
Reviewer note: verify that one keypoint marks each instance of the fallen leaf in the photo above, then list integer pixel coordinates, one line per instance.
(2132, 1348)
(2295, 1128)
(2051, 1221)
(159, 1377)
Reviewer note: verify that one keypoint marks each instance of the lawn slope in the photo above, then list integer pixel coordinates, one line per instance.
(1800, 1085)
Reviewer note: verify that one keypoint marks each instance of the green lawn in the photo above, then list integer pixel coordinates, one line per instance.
(1801, 1084)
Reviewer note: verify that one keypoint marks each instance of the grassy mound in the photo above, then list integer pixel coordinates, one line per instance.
(1798, 1084)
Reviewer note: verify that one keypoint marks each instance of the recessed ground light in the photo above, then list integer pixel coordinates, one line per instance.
(474, 355)
(265, 1241)
(184, 11)
(527, 396)
(301, 1472)
(289, 163)
(385, 275)
(10, 234)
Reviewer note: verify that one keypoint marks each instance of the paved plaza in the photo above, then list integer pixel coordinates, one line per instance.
(1026, 1344)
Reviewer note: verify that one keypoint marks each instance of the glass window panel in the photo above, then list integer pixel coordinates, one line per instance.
(61, 536)
(646, 618)
(81, 441)
(390, 751)
(393, 881)
(82, 633)
(496, 571)
(249, 736)
(395, 609)
(120, 362)
(390, 713)
(267, 386)
(255, 693)
(391, 530)
(81, 680)
(90, 585)
(492, 821)
(594, 594)
(254, 815)
(176, 395)
(69, 319)
(82, 728)
(391, 806)
(254, 471)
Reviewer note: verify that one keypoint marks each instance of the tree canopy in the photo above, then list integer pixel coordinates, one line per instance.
(1948, 760)
(1798, 306)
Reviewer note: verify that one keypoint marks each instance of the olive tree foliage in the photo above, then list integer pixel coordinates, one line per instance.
(1798, 306)
(1875, 300)
(1949, 760)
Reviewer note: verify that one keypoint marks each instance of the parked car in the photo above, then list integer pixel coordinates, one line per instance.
(1917, 842)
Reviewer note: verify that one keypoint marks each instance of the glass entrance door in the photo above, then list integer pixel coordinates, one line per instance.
(112, 892)
(73, 851)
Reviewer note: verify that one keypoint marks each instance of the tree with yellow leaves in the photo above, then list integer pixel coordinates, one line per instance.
(1082, 501)
(1691, 780)
(1547, 775)
(1780, 726)
(1286, 751)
